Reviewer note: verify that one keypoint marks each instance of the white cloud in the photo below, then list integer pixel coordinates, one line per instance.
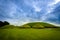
(33, 4)
(50, 8)
(56, 1)
(36, 8)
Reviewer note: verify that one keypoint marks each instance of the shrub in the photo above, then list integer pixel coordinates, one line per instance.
(50, 26)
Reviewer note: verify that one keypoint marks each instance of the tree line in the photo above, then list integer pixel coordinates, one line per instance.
(3, 23)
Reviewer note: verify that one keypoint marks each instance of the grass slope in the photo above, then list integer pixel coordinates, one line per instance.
(30, 34)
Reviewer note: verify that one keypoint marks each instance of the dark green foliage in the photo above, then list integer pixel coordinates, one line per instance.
(6, 23)
(3, 23)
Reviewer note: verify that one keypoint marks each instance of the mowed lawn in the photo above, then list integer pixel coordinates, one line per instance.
(30, 34)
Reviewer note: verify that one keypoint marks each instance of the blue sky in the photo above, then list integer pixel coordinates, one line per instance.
(19, 12)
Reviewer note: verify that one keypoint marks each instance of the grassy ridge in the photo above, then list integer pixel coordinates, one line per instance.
(39, 25)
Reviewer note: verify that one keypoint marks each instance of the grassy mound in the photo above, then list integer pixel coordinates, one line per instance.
(38, 25)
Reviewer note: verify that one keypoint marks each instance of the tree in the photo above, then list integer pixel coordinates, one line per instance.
(3, 23)
(6, 23)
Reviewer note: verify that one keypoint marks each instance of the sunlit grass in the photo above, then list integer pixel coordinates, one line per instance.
(30, 34)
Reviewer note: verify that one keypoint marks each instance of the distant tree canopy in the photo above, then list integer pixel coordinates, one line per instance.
(6, 23)
(3, 23)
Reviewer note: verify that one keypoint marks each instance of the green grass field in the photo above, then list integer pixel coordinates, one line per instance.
(30, 31)
(30, 34)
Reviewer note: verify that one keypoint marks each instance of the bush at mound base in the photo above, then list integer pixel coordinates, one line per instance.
(50, 26)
